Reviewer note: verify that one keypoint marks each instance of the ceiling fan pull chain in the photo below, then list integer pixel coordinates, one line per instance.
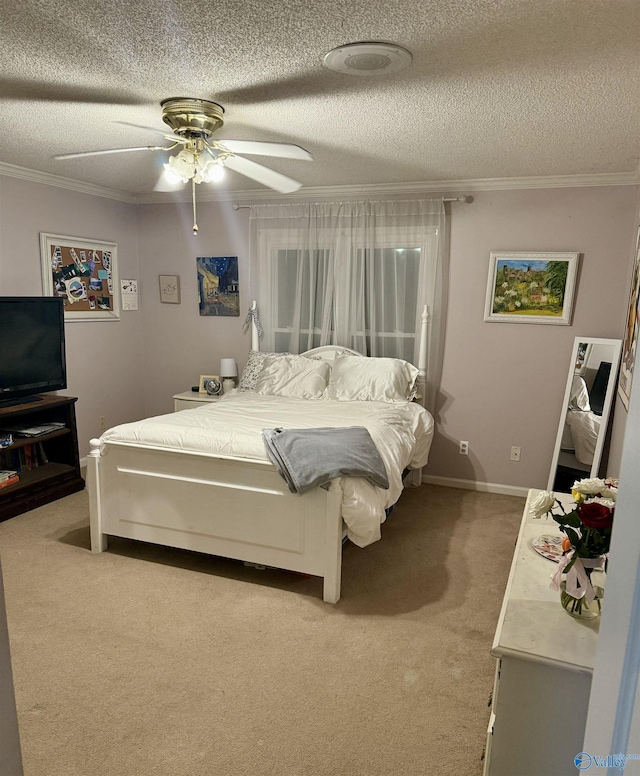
(193, 197)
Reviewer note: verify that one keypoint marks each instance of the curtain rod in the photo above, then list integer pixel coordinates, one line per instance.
(464, 198)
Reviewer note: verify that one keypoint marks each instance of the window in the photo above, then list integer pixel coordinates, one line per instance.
(357, 274)
(369, 301)
(301, 291)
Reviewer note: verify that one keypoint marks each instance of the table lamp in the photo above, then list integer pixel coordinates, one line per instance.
(228, 371)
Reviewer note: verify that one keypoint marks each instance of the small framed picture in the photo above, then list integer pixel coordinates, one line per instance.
(531, 287)
(211, 385)
(169, 289)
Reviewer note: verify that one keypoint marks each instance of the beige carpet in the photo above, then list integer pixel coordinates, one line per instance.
(149, 661)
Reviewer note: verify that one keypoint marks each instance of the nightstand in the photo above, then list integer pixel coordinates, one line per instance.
(191, 399)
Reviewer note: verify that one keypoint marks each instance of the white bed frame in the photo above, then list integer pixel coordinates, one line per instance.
(220, 505)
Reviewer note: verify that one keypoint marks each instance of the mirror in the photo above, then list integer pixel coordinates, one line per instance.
(586, 408)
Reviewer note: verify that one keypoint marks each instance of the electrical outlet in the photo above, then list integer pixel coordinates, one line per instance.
(102, 422)
(464, 448)
(515, 453)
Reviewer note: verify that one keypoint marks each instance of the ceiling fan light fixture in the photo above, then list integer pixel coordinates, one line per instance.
(368, 59)
(188, 165)
(211, 171)
(181, 167)
(171, 177)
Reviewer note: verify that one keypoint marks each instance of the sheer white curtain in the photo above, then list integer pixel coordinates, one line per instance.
(356, 274)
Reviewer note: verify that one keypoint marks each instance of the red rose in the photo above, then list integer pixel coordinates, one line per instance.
(594, 515)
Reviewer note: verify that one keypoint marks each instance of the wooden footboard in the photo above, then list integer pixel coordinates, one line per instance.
(231, 507)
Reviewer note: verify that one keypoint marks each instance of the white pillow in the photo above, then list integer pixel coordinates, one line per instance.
(253, 368)
(356, 378)
(296, 377)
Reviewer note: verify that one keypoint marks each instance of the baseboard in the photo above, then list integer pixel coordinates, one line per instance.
(485, 487)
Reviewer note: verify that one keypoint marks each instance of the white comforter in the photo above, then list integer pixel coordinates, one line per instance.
(232, 426)
(585, 428)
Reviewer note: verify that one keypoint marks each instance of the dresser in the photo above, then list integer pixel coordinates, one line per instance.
(544, 663)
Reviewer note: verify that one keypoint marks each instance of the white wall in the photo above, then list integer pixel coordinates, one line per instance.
(620, 413)
(104, 358)
(502, 383)
(179, 343)
(613, 722)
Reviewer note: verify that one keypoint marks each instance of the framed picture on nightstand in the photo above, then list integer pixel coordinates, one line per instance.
(210, 384)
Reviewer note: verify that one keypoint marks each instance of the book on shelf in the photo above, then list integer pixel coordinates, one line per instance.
(9, 459)
(24, 458)
(10, 481)
(7, 474)
(29, 458)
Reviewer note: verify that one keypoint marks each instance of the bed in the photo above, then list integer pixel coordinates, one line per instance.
(201, 479)
(582, 424)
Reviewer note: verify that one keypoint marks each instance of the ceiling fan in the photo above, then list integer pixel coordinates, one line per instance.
(201, 159)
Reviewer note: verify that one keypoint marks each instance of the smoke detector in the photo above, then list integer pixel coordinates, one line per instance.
(368, 59)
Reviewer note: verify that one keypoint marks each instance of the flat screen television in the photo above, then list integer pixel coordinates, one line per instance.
(32, 348)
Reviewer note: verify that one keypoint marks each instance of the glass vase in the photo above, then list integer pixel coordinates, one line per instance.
(580, 607)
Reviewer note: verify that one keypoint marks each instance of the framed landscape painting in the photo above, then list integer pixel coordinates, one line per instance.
(531, 287)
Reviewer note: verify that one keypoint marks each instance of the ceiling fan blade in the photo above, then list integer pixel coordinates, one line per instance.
(264, 175)
(166, 135)
(111, 151)
(259, 148)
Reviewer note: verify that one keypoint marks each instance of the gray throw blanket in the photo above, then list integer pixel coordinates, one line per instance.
(311, 457)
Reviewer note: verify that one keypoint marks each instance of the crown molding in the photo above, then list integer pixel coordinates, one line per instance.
(35, 176)
(416, 188)
(210, 194)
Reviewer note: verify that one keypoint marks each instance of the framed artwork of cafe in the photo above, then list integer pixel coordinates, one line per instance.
(84, 273)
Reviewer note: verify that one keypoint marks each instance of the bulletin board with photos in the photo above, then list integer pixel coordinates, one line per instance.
(84, 273)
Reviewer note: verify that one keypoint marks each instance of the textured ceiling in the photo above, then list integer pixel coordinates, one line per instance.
(496, 89)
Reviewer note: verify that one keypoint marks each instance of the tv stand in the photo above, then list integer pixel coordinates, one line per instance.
(53, 468)
(19, 401)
